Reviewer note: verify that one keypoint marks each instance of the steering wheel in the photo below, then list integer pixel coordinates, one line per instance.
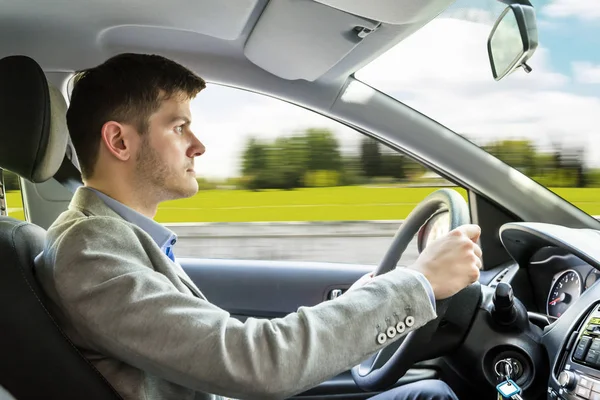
(384, 368)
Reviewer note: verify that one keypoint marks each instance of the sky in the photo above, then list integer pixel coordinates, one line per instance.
(443, 71)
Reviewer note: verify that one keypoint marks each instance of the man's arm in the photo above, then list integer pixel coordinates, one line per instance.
(135, 314)
(365, 279)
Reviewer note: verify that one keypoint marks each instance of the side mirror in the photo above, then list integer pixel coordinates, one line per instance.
(513, 40)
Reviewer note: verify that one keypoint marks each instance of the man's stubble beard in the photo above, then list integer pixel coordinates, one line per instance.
(155, 180)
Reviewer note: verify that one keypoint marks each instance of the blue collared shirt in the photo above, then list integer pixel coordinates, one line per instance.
(163, 237)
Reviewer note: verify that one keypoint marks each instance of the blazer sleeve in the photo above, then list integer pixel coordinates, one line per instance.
(108, 289)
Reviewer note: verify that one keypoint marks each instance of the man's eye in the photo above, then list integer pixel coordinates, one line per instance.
(179, 129)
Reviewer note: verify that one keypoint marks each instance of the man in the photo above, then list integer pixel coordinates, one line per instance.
(116, 290)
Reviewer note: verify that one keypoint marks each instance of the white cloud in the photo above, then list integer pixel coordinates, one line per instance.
(451, 53)
(586, 72)
(550, 24)
(472, 15)
(583, 9)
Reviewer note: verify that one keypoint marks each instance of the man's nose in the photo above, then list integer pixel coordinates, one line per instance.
(197, 148)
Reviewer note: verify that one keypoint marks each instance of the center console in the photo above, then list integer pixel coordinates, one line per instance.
(579, 370)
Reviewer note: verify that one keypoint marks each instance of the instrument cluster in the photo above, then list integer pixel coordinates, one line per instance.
(566, 288)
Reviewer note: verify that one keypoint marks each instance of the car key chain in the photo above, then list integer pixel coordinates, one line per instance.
(509, 390)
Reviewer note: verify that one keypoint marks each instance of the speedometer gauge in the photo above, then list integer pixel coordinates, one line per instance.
(566, 289)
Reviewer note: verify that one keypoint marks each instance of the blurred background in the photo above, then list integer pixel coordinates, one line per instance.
(279, 182)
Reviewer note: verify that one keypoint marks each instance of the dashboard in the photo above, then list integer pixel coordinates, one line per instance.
(560, 267)
(558, 279)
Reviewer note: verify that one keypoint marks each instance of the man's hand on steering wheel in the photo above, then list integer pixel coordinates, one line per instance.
(452, 262)
(449, 263)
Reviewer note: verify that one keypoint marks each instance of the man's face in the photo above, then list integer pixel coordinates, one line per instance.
(165, 159)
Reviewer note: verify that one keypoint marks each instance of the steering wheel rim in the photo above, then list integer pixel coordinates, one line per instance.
(379, 372)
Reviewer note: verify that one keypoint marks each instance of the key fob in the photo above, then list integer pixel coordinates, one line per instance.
(508, 389)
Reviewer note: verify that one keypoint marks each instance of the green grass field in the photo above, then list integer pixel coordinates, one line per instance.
(15, 205)
(322, 204)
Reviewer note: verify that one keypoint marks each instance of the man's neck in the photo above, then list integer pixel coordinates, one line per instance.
(139, 203)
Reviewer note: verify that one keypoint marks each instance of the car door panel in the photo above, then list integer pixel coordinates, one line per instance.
(272, 289)
(269, 289)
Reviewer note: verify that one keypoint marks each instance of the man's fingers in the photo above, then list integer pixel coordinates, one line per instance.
(472, 231)
(479, 263)
(477, 251)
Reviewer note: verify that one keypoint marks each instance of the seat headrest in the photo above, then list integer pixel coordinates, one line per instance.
(33, 125)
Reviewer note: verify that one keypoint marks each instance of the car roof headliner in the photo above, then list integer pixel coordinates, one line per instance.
(207, 35)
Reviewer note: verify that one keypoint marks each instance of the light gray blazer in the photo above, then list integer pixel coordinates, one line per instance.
(148, 329)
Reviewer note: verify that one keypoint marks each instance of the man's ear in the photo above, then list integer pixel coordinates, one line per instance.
(117, 140)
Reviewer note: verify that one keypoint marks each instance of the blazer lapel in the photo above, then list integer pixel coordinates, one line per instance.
(191, 287)
(185, 279)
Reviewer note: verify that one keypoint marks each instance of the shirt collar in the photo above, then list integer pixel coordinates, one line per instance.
(162, 236)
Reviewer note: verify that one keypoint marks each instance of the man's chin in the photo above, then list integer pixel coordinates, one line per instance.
(182, 192)
(191, 190)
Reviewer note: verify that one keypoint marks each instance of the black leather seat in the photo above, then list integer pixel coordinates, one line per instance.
(37, 361)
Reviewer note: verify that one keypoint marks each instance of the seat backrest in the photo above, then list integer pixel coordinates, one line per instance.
(37, 360)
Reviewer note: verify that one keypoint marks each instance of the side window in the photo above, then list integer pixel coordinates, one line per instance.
(279, 182)
(14, 201)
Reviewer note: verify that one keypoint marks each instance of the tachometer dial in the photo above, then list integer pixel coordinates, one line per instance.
(592, 277)
(566, 289)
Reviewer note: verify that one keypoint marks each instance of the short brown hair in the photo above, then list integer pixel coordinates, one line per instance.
(127, 88)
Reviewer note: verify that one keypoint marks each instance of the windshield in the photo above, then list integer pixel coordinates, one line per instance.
(546, 123)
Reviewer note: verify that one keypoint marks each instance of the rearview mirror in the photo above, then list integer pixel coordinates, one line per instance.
(513, 40)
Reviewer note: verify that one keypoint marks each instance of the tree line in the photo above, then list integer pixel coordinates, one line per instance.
(11, 181)
(558, 167)
(313, 159)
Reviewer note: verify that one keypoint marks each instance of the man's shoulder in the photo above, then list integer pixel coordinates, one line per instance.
(76, 222)
(91, 243)
(75, 231)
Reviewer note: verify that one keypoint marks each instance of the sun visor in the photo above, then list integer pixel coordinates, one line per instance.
(303, 39)
(393, 12)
